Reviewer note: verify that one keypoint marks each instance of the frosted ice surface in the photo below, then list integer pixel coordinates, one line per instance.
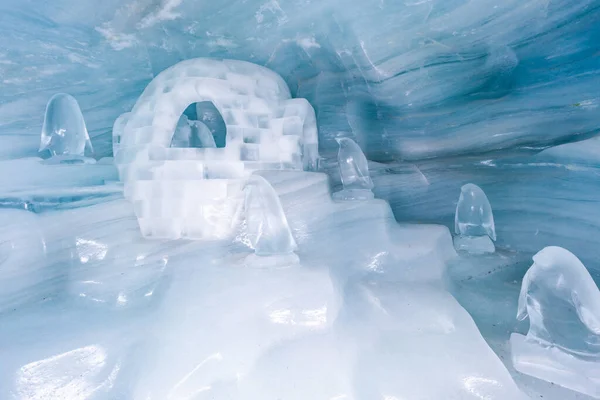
(22, 258)
(64, 133)
(410, 335)
(498, 72)
(474, 221)
(266, 130)
(562, 302)
(354, 172)
(119, 276)
(219, 320)
(266, 224)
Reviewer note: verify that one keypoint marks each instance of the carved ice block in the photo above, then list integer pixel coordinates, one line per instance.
(474, 222)
(562, 302)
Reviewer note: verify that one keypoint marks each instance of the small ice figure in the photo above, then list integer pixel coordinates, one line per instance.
(474, 222)
(191, 133)
(354, 171)
(64, 133)
(267, 227)
(563, 305)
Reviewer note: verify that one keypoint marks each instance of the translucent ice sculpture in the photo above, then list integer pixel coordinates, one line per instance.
(474, 221)
(563, 305)
(354, 172)
(195, 192)
(267, 227)
(189, 133)
(64, 133)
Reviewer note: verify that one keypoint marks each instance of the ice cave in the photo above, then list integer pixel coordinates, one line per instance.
(300, 200)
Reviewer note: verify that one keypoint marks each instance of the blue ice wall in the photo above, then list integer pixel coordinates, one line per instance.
(455, 82)
(407, 79)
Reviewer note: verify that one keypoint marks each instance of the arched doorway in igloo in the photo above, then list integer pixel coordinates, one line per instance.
(200, 126)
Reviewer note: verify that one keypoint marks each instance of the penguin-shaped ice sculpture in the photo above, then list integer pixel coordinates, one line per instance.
(474, 222)
(266, 226)
(64, 133)
(563, 305)
(191, 133)
(354, 171)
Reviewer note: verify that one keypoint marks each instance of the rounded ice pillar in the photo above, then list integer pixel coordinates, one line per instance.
(474, 221)
(64, 133)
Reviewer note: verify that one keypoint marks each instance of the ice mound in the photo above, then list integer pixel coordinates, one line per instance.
(194, 192)
(562, 302)
(216, 323)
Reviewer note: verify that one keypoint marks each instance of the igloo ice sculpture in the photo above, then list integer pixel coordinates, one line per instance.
(563, 305)
(196, 192)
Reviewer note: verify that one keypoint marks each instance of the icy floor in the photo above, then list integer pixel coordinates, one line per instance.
(90, 310)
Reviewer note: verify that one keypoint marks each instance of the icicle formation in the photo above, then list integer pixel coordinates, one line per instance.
(354, 171)
(64, 133)
(474, 221)
(266, 224)
(563, 305)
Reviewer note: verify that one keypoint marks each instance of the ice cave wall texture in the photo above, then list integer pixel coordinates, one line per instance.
(437, 94)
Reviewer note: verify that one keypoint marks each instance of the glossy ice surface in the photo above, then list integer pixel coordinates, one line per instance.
(562, 302)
